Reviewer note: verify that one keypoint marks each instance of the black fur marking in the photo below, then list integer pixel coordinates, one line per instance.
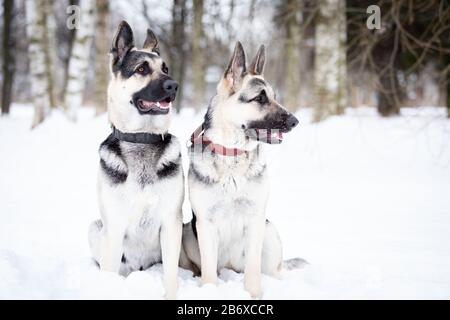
(113, 145)
(154, 91)
(243, 99)
(276, 120)
(131, 61)
(201, 178)
(207, 121)
(115, 176)
(194, 224)
(146, 172)
(169, 169)
(256, 82)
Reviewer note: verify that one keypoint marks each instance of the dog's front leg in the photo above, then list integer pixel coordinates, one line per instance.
(111, 249)
(207, 241)
(171, 232)
(254, 244)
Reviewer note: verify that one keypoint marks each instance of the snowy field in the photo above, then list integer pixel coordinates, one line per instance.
(365, 200)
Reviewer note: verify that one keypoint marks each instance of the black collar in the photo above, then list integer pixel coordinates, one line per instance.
(140, 137)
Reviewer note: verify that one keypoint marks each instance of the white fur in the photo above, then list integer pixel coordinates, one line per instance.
(126, 207)
(231, 220)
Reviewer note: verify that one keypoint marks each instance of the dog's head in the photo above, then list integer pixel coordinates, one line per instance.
(140, 92)
(247, 101)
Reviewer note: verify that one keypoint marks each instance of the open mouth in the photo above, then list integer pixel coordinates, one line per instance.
(270, 136)
(158, 107)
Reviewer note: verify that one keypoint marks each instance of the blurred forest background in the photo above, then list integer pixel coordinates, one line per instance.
(321, 53)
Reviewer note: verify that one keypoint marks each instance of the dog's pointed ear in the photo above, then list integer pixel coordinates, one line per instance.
(257, 66)
(236, 68)
(122, 43)
(151, 42)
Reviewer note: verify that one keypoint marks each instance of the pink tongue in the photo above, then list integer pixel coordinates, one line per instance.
(148, 104)
(151, 105)
(164, 105)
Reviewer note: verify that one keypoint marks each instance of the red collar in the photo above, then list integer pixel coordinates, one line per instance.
(198, 137)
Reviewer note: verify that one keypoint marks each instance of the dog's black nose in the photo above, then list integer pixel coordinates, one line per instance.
(291, 122)
(170, 86)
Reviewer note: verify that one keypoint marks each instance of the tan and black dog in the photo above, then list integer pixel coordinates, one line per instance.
(228, 182)
(140, 181)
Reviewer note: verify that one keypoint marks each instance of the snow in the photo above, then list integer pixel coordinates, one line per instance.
(363, 199)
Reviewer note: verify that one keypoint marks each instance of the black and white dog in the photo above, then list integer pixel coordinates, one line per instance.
(228, 184)
(140, 181)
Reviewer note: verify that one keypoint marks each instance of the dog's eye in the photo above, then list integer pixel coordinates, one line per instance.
(143, 69)
(165, 69)
(261, 98)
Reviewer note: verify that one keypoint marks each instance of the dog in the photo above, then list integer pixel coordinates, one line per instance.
(227, 179)
(140, 180)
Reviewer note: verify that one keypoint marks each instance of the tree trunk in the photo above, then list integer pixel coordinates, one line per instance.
(329, 71)
(79, 59)
(292, 44)
(101, 56)
(387, 63)
(197, 56)
(388, 100)
(51, 53)
(342, 59)
(177, 55)
(70, 41)
(36, 31)
(8, 57)
(448, 94)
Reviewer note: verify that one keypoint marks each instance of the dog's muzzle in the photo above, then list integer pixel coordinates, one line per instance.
(156, 98)
(271, 130)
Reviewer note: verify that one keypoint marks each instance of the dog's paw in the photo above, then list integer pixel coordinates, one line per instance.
(209, 280)
(171, 290)
(170, 295)
(254, 288)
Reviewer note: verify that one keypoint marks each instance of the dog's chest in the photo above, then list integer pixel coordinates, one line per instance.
(141, 162)
(143, 188)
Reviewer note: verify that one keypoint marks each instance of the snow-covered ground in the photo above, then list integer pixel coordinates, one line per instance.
(365, 200)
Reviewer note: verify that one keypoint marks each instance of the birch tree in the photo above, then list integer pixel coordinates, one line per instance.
(51, 52)
(329, 67)
(70, 40)
(79, 60)
(101, 56)
(37, 36)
